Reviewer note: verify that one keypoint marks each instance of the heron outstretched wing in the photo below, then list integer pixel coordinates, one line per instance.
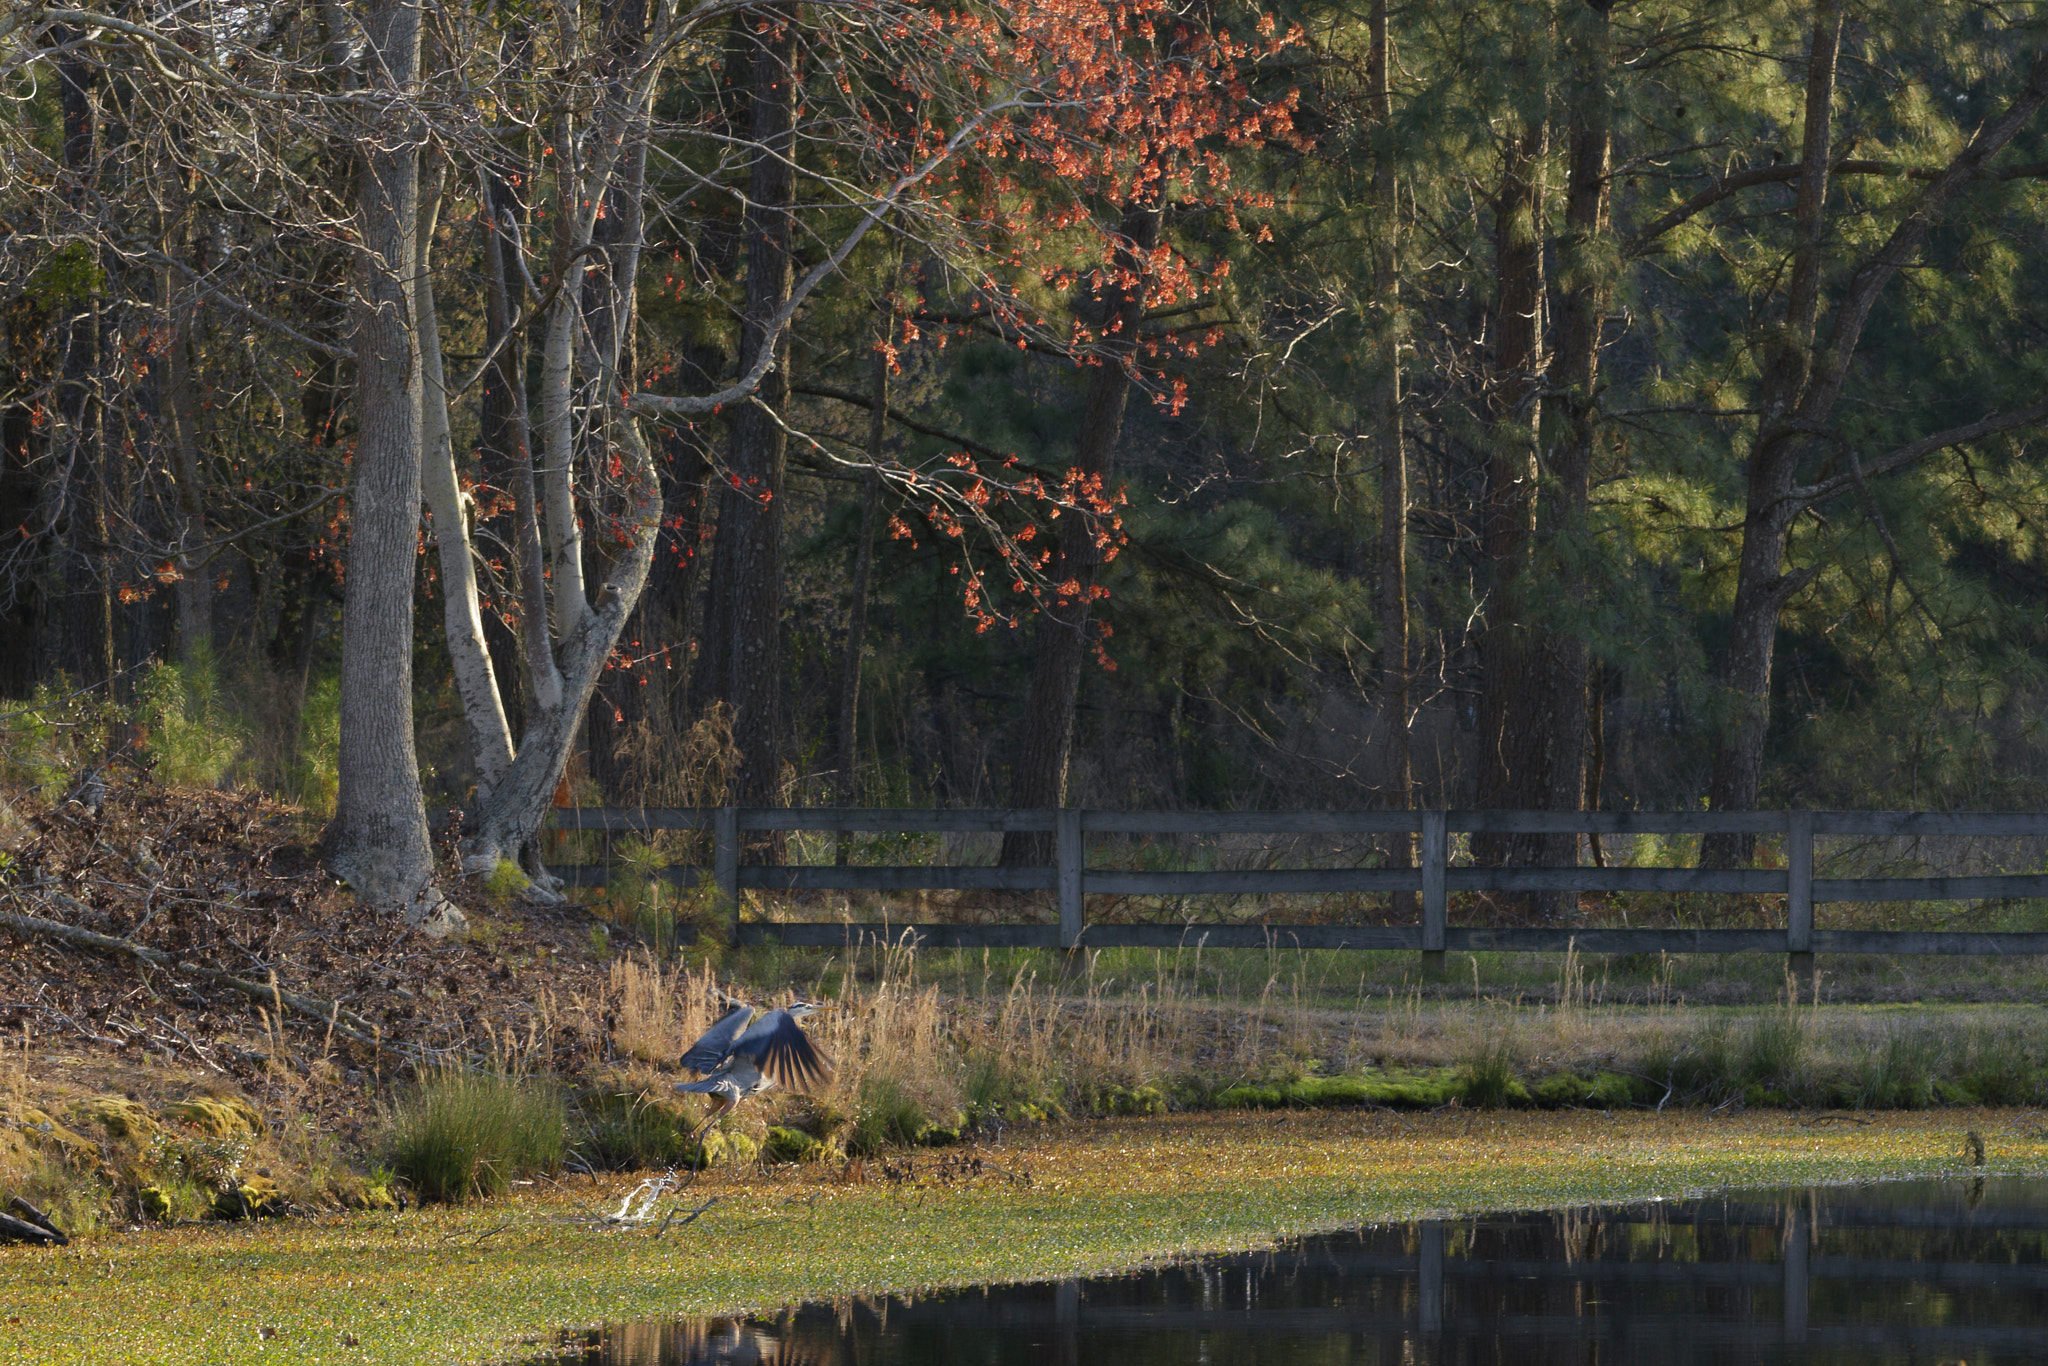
(784, 1053)
(708, 1052)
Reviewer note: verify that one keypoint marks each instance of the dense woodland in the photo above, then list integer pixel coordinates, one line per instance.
(1555, 403)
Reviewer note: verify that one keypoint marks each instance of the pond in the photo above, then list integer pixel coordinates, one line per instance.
(1911, 1271)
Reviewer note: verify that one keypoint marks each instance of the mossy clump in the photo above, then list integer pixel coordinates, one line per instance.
(722, 1146)
(26, 1132)
(1132, 1100)
(223, 1117)
(256, 1197)
(123, 1120)
(940, 1133)
(156, 1203)
(785, 1145)
(506, 883)
(1420, 1091)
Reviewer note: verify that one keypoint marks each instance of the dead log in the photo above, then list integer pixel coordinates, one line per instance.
(38, 1218)
(13, 1230)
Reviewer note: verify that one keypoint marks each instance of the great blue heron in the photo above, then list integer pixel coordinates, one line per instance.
(745, 1053)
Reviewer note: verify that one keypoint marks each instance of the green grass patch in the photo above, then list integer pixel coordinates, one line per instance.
(485, 1283)
(462, 1133)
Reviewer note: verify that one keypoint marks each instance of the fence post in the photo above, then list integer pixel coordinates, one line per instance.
(1435, 854)
(1072, 859)
(1798, 1236)
(725, 860)
(1799, 897)
(1429, 1278)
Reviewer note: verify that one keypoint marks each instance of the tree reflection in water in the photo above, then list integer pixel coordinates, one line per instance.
(1899, 1272)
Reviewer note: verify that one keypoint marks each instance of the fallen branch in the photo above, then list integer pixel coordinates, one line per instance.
(351, 1025)
(690, 1216)
(13, 1230)
(41, 1220)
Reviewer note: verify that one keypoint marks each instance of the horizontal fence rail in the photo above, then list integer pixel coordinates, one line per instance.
(1071, 881)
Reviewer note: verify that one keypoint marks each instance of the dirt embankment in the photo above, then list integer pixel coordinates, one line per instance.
(234, 1060)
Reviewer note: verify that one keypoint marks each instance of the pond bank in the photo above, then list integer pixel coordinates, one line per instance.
(489, 1282)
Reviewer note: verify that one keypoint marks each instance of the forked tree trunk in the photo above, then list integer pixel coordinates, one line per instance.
(378, 841)
(1039, 777)
(1761, 585)
(565, 669)
(1802, 382)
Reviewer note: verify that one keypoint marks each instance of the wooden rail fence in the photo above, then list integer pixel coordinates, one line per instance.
(1072, 881)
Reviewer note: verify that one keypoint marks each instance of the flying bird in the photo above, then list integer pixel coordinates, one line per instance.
(747, 1052)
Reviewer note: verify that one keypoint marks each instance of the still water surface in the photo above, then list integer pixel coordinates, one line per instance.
(1905, 1272)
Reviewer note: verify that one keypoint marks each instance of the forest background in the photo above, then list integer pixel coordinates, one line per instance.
(1106, 403)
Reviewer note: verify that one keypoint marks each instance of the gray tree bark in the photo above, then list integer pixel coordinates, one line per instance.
(379, 841)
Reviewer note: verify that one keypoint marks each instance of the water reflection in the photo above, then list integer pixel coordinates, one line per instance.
(1920, 1272)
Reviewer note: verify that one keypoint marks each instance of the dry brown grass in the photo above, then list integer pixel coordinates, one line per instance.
(658, 1012)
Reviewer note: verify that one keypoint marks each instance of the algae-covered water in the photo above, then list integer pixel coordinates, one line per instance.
(1908, 1271)
(499, 1281)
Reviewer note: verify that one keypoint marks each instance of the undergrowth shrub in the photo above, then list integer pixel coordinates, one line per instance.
(187, 725)
(886, 1111)
(2000, 1068)
(55, 732)
(462, 1133)
(313, 773)
(1490, 1080)
(631, 1132)
(1773, 1053)
(1899, 1073)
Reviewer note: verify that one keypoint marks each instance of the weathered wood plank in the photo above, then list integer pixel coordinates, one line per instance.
(1929, 888)
(1748, 880)
(813, 878)
(629, 818)
(600, 874)
(1547, 939)
(894, 820)
(1189, 936)
(1929, 942)
(1251, 882)
(852, 934)
(1996, 824)
(1619, 822)
(1249, 822)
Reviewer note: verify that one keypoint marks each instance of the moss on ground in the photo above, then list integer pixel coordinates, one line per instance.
(487, 1282)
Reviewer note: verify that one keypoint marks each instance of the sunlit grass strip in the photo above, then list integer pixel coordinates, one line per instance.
(465, 1285)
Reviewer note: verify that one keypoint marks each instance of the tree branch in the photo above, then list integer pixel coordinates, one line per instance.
(1892, 461)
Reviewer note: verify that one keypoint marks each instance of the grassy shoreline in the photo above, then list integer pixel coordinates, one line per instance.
(492, 1282)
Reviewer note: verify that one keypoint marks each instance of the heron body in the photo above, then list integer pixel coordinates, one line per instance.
(747, 1052)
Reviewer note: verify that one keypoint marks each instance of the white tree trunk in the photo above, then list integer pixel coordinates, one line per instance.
(490, 735)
